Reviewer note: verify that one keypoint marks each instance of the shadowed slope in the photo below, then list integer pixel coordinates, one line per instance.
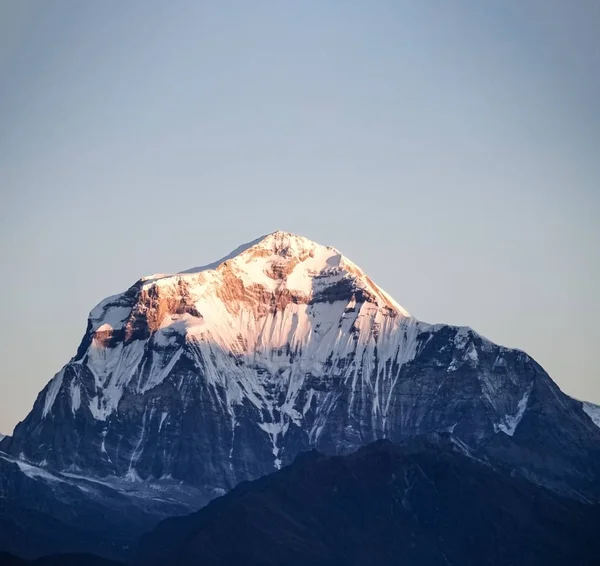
(426, 503)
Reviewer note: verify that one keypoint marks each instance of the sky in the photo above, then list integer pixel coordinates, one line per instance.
(449, 148)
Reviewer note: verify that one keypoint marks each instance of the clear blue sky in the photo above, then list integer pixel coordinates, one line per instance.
(450, 148)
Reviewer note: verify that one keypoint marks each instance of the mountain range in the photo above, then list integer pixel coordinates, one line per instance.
(187, 384)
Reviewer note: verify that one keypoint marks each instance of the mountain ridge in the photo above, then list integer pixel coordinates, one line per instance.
(279, 332)
(385, 503)
(224, 374)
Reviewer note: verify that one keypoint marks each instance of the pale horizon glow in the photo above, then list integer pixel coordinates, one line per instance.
(450, 150)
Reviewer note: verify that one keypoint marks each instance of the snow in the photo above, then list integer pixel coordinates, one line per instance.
(593, 411)
(218, 320)
(254, 261)
(472, 354)
(113, 369)
(320, 332)
(31, 471)
(461, 337)
(510, 422)
(103, 445)
(75, 396)
(245, 350)
(163, 418)
(308, 402)
(274, 430)
(158, 372)
(35, 472)
(109, 314)
(52, 391)
(323, 261)
(239, 250)
(239, 346)
(132, 476)
(139, 448)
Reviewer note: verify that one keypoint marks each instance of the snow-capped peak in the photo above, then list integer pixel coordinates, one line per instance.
(281, 291)
(282, 260)
(282, 345)
(279, 263)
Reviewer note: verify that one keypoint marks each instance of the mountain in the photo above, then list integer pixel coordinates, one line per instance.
(43, 512)
(426, 503)
(187, 384)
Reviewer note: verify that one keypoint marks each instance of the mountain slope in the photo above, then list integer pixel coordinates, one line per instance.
(593, 411)
(427, 503)
(225, 373)
(44, 513)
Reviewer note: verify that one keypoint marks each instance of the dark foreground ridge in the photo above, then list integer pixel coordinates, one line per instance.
(57, 560)
(424, 503)
(43, 514)
(427, 502)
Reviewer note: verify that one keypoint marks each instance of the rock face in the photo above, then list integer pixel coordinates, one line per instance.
(429, 503)
(225, 373)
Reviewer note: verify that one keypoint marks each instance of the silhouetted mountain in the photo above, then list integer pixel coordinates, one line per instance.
(427, 503)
